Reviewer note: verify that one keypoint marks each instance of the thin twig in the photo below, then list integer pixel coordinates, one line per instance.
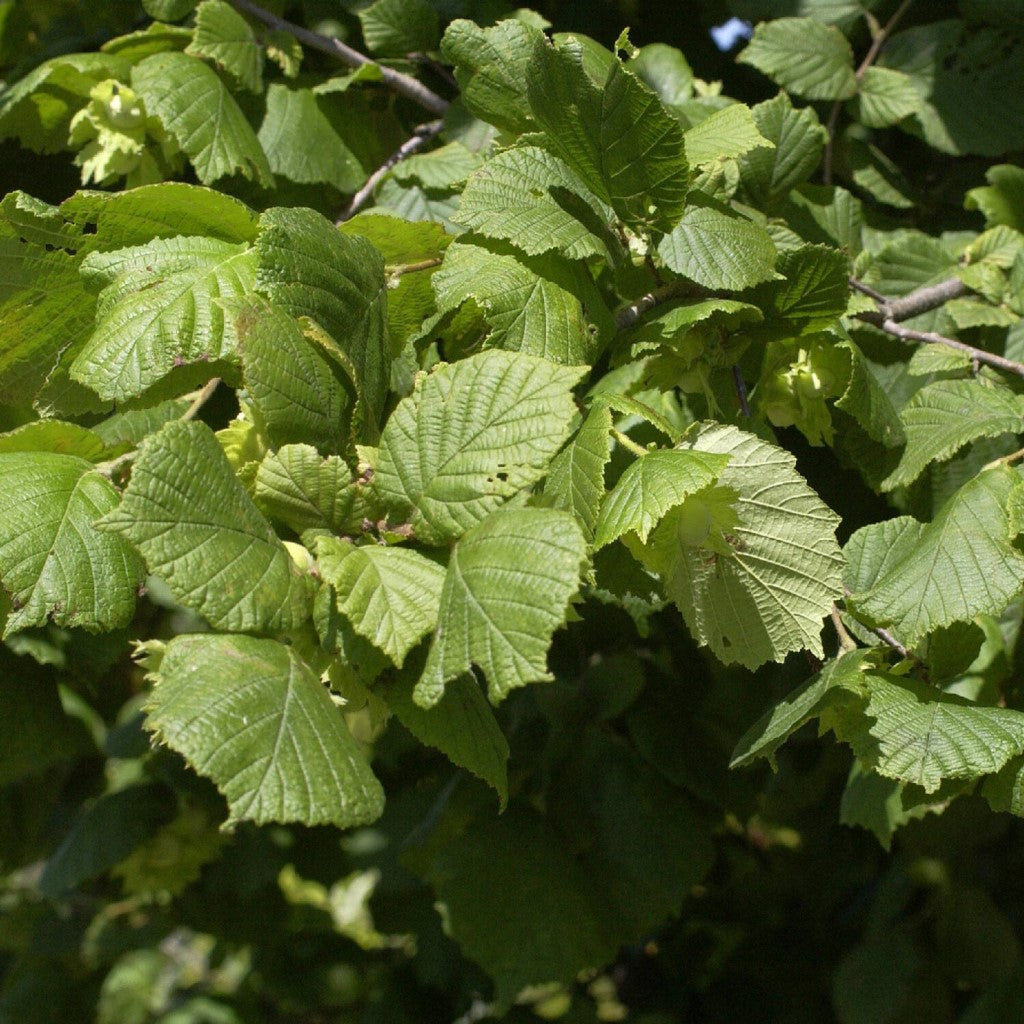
(878, 40)
(404, 84)
(891, 311)
(112, 468)
(400, 269)
(421, 135)
(202, 397)
(741, 390)
(884, 635)
(629, 315)
(846, 642)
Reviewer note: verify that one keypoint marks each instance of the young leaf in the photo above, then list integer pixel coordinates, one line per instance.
(299, 395)
(541, 305)
(650, 486)
(944, 416)
(717, 248)
(616, 135)
(576, 478)
(506, 591)
(390, 595)
(160, 308)
(293, 118)
(201, 116)
(224, 36)
(252, 716)
(490, 67)
(297, 486)
(804, 56)
(55, 565)
(769, 596)
(309, 268)
(462, 727)
(961, 564)
(191, 519)
(531, 198)
(1001, 201)
(472, 434)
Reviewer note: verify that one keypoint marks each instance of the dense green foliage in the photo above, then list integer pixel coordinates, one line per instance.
(437, 487)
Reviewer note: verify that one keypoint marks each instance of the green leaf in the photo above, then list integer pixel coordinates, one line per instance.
(462, 726)
(767, 175)
(827, 215)
(201, 116)
(156, 37)
(472, 435)
(814, 294)
(160, 308)
(106, 832)
(729, 132)
(944, 416)
(440, 168)
(770, 595)
(532, 199)
(294, 117)
(884, 97)
(390, 595)
(650, 487)
(117, 220)
(35, 731)
(309, 268)
(54, 564)
(540, 305)
(168, 10)
(717, 248)
(837, 684)
(196, 527)
(393, 28)
(486, 876)
(914, 733)
(56, 436)
(490, 67)
(507, 589)
(963, 75)
(303, 490)
(43, 307)
(576, 478)
(252, 716)
(616, 135)
(959, 565)
(870, 402)
(298, 394)
(803, 56)
(222, 35)
(403, 243)
(664, 70)
(133, 425)
(1002, 200)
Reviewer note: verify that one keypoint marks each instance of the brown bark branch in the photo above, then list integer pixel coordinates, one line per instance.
(422, 134)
